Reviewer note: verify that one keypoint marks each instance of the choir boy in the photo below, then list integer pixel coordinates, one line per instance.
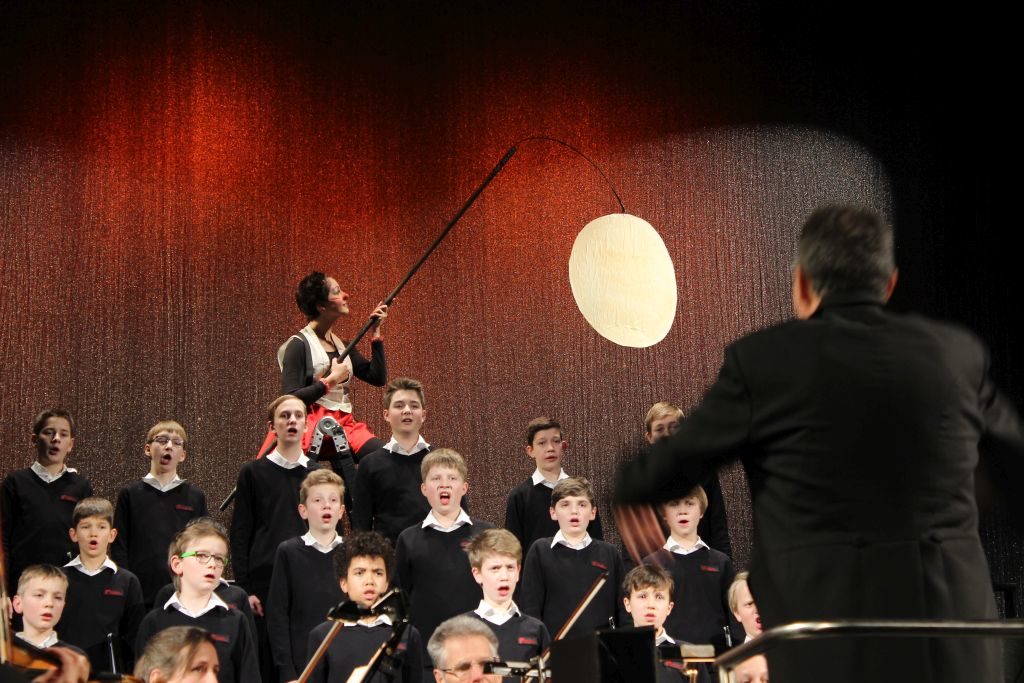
(363, 567)
(495, 557)
(304, 585)
(703, 575)
(526, 510)
(662, 421)
(102, 598)
(647, 595)
(36, 503)
(560, 570)
(387, 494)
(267, 501)
(433, 569)
(151, 511)
(42, 591)
(197, 557)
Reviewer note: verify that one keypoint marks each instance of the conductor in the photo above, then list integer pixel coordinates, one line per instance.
(860, 430)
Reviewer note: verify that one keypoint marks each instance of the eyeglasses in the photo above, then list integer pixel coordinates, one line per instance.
(204, 558)
(463, 670)
(164, 440)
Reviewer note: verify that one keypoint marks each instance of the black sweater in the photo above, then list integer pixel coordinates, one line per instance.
(232, 595)
(355, 645)
(108, 602)
(36, 517)
(232, 637)
(387, 496)
(433, 570)
(303, 588)
(147, 520)
(555, 580)
(701, 586)
(527, 514)
(520, 638)
(266, 514)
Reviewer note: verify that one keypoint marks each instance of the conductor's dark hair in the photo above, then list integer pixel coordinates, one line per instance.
(364, 544)
(310, 293)
(846, 248)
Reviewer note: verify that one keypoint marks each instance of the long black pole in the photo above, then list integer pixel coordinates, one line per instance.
(408, 276)
(430, 250)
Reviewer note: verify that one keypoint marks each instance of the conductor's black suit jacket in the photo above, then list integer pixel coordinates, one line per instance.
(860, 431)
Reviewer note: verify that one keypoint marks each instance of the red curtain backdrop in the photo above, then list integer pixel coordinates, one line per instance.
(168, 173)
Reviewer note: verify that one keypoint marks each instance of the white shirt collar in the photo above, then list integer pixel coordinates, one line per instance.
(560, 538)
(155, 483)
(663, 638)
(748, 638)
(45, 475)
(77, 564)
(396, 447)
(672, 546)
(213, 603)
(308, 539)
(431, 521)
(284, 462)
(538, 478)
(382, 619)
(50, 640)
(494, 615)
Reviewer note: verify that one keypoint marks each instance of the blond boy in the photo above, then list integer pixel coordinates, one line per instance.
(743, 608)
(495, 557)
(432, 566)
(197, 558)
(701, 573)
(303, 584)
(662, 421)
(40, 600)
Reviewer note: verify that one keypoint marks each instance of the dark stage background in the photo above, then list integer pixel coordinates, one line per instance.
(169, 171)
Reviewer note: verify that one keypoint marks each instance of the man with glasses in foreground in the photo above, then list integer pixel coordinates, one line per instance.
(459, 649)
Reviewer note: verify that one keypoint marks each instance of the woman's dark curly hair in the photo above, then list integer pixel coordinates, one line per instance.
(310, 293)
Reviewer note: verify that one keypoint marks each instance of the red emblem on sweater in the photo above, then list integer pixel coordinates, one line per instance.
(186, 508)
(708, 568)
(114, 592)
(599, 565)
(527, 641)
(220, 638)
(70, 499)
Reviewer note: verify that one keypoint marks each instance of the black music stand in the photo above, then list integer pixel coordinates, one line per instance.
(622, 655)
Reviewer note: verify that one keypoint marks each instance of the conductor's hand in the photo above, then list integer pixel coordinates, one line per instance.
(378, 315)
